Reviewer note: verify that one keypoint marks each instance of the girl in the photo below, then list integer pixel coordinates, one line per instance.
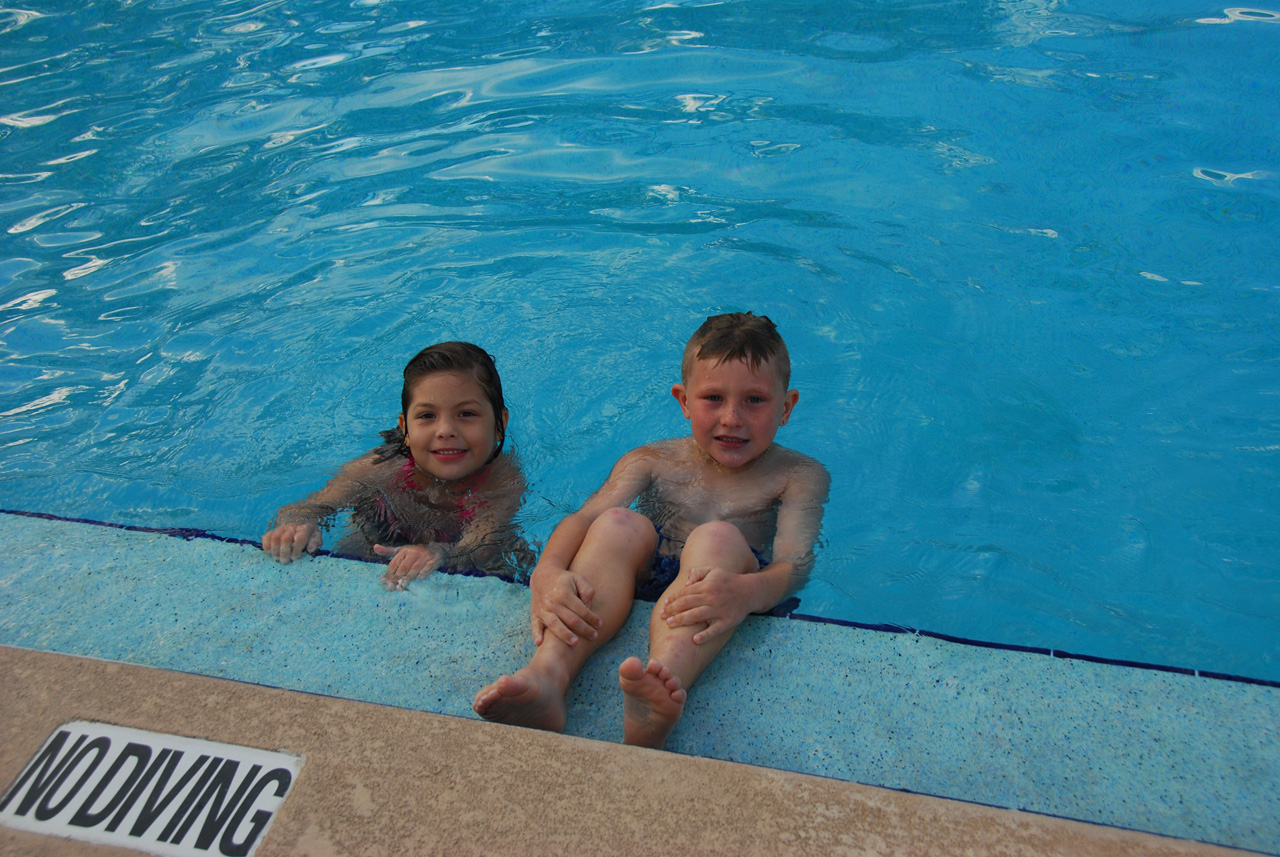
(440, 493)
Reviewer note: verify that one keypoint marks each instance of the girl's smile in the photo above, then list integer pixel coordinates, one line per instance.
(449, 426)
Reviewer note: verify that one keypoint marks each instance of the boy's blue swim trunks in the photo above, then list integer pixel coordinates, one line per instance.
(666, 568)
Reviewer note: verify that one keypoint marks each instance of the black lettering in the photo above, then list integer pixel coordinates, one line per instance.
(44, 776)
(217, 815)
(209, 771)
(153, 808)
(99, 746)
(165, 754)
(140, 754)
(228, 846)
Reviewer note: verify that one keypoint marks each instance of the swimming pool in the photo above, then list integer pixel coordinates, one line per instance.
(1022, 252)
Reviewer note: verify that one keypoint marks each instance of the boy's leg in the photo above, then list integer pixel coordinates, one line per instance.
(655, 693)
(617, 547)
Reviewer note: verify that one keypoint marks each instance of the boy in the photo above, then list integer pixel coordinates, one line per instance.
(710, 499)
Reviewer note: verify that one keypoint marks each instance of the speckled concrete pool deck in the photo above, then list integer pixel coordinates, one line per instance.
(813, 714)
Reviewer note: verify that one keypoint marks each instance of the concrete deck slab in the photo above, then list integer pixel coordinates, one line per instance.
(1177, 755)
(385, 781)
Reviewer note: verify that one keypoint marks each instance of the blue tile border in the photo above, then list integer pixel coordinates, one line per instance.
(786, 610)
(1037, 650)
(913, 712)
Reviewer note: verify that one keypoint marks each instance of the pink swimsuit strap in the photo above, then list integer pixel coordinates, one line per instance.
(468, 504)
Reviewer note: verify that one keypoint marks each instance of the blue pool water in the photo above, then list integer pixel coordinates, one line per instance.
(1023, 253)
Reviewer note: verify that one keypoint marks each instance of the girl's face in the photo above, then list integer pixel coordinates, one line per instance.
(449, 426)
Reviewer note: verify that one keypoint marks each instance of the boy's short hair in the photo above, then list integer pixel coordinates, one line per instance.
(742, 336)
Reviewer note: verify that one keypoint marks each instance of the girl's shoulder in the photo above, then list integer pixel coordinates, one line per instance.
(371, 471)
(503, 474)
(378, 460)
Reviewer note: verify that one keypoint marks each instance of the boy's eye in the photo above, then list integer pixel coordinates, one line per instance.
(755, 400)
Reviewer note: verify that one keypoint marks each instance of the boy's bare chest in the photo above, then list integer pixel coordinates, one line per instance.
(710, 497)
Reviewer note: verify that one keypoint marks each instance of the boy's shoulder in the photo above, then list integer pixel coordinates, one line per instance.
(678, 455)
(798, 460)
(672, 450)
(796, 466)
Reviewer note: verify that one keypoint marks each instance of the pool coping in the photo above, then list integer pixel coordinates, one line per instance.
(786, 610)
(909, 713)
(385, 780)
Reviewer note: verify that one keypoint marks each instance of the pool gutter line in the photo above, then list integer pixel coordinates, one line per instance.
(781, 612)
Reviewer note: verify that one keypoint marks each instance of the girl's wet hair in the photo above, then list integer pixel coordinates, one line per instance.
(464, 359)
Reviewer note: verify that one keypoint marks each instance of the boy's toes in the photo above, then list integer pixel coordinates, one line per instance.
(633, 669)
(652, 702)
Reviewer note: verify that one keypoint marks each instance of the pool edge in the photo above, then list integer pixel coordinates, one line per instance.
(787, 610)
(389, 780)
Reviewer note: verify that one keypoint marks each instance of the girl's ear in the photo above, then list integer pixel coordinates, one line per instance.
(502, 433)
(403, 429)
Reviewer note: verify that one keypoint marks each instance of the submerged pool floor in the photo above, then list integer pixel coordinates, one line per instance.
(1185, 756)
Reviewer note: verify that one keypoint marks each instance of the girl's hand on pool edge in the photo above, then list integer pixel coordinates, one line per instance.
(289, 541)
(407, 563)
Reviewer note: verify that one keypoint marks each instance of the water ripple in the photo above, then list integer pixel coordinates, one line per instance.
(981, 227)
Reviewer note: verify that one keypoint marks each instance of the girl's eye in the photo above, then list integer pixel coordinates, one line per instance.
(426, 415)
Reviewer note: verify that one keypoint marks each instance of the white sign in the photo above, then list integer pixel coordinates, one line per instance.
(151, 792)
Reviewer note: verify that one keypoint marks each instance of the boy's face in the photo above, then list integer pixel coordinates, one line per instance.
(734, 412)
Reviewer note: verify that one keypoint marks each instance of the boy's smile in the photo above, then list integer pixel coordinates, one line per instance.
(449, 426)
(733, 411)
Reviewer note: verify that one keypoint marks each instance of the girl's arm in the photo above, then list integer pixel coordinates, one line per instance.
(490, 529)
(296, 527)
(483, 538)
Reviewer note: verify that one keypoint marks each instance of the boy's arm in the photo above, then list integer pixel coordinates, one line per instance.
(296, 527)
(561, 601)
(723, 600)
(799, 524)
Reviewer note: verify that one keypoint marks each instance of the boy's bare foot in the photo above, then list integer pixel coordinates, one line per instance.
(653, 701)
(522, 699)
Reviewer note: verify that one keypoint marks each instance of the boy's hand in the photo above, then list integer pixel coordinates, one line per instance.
(564, 608)
(712, 596)
(407, 563)
(288, 541)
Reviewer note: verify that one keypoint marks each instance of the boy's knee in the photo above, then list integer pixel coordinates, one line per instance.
(619, 523)
(719, 536)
